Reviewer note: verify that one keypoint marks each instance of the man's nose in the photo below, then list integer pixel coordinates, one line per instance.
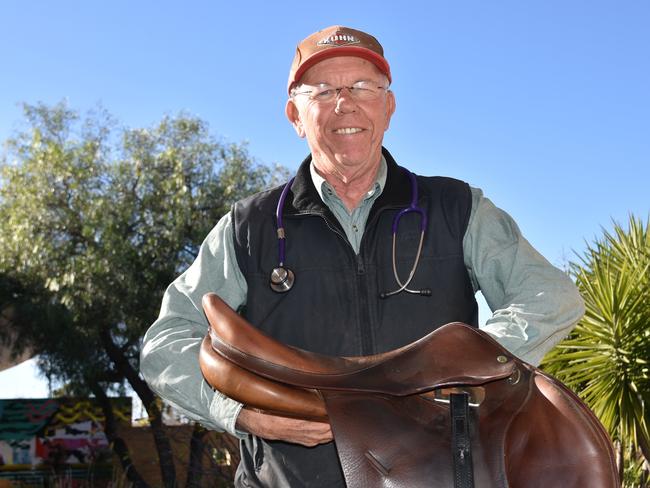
(345, 102)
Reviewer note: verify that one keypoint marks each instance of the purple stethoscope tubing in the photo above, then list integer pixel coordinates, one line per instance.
(280, 223)
(282, 278)
(413, 206)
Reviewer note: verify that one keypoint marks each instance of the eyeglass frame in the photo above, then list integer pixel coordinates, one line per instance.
(351, 88)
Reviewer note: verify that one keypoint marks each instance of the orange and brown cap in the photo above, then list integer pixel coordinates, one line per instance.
(336, 41)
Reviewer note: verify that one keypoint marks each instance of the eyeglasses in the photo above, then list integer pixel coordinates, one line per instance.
(360, 91)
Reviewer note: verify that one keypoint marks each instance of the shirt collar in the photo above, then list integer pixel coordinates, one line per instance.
(322, 185)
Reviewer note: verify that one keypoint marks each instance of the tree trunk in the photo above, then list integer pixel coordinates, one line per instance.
(195, 465)
(163, 446)
(119, 446)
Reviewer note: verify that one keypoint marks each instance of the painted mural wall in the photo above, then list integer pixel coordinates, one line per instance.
(55, 431)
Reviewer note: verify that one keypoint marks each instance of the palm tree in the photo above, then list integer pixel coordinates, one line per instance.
(606, 358)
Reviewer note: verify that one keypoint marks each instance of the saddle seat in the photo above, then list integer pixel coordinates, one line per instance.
(428, 363)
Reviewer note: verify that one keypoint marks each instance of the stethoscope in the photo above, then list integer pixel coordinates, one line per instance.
(282, 278)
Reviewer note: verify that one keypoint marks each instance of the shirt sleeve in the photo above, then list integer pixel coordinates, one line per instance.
(534, 304)
(169, 359)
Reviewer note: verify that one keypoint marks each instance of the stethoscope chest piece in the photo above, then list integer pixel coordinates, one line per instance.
(282, 279)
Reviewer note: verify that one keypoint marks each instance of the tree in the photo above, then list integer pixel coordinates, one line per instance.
(95, 223)
(607, 356)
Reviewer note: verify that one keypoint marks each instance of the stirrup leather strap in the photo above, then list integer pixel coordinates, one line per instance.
(461, 442)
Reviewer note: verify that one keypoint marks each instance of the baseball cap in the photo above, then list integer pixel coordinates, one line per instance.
(336, 41)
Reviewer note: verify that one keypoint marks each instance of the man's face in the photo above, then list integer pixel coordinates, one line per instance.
(344, 134)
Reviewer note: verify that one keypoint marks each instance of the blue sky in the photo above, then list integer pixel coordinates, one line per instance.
(543, 105)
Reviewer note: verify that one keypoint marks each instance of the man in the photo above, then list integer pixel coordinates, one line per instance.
(343, 295)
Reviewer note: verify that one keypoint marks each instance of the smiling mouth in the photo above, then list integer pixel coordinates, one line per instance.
(348, 130)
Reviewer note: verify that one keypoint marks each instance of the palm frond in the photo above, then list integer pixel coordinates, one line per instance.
(606, 357)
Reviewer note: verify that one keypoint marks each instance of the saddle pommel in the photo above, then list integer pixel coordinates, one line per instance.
(259, 393)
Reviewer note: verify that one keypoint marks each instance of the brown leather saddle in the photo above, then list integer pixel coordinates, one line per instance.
(453, 409)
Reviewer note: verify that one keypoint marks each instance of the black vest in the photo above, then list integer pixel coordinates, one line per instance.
(334, 306)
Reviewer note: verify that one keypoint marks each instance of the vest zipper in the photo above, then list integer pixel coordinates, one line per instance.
(329, 224)
(368, 345)
(361, 267)
(364, 326)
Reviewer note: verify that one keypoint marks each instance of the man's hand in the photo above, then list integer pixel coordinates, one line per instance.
(277, 428)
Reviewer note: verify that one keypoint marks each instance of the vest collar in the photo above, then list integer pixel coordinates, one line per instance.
(305, 197)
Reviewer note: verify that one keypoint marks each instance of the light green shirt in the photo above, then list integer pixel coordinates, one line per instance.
(353, 223)
(534, 304)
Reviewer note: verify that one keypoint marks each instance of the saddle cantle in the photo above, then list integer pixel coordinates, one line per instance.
(390, 413)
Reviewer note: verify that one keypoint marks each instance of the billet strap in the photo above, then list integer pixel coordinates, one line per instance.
(460, 440)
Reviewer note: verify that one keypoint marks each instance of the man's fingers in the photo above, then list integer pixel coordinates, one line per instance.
(275, 427)
(308, 433)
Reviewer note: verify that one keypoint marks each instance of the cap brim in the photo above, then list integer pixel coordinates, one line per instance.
(360, 52)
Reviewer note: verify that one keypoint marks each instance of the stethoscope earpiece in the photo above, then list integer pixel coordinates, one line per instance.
(282, 279)
(424, 292)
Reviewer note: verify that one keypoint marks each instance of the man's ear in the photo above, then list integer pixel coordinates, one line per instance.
(390, 107)
(293, 114)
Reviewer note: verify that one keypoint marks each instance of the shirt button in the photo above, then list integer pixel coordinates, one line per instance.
(355, 228)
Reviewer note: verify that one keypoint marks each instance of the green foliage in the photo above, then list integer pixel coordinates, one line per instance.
(96, 221)
(606, 358)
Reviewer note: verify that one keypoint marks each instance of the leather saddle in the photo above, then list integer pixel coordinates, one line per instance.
(452, 409)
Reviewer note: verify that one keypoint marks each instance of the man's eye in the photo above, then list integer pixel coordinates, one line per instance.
(324, 93)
